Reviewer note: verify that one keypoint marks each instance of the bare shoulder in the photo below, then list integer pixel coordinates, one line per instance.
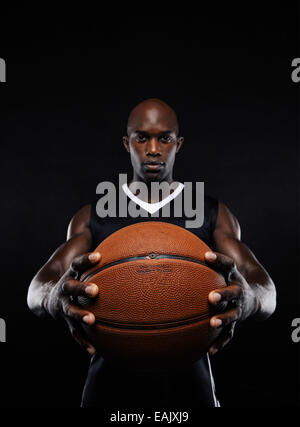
(227, 223)
(80, 223)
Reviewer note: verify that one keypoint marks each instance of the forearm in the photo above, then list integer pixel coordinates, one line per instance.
(260, 298)
(44, 281)
(39, 290)
(264, 293)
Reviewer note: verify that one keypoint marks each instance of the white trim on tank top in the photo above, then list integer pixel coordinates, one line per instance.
(152, 207)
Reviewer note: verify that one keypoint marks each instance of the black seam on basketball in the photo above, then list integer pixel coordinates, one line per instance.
(143, 257)
(167, 325)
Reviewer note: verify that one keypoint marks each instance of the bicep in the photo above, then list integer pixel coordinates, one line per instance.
(227, 240)
(79, 241)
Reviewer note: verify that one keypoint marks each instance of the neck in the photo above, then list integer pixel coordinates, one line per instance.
(154, 198)
(136, 177)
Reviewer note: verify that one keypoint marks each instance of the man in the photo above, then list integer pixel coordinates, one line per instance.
(152, 141)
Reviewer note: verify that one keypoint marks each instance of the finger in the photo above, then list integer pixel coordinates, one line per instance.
(73, 312)
(79, 335)
(226, 318)
(83, 263)
(72, 287)
(220, 262)
(225, 294)
(223, 339)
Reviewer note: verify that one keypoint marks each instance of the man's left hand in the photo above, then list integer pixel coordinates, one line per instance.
(238, 296)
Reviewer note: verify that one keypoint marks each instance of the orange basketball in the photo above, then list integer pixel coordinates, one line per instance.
(152, 308)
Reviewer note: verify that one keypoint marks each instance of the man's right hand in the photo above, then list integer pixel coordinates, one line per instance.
(59, 303)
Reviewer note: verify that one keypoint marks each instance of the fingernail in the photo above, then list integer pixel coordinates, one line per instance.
(92, 289)
(210, 256)
(215, 297)
(217, 323)
(87, 318)
(95, 256)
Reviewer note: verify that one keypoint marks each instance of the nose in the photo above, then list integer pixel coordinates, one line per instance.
(153, 147)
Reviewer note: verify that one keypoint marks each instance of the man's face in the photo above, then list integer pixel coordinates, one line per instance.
(153, 143)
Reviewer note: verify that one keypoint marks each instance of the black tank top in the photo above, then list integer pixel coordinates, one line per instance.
(113, 387)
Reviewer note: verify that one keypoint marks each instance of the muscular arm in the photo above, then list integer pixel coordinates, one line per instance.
(227, 241)
(78, 242)
(250, 292)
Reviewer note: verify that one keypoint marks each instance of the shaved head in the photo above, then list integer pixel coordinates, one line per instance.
(152, 112)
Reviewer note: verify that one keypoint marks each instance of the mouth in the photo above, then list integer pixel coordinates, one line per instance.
(153, 166)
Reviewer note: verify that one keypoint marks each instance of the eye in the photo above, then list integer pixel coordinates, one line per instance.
(166, 138)
(140, 138)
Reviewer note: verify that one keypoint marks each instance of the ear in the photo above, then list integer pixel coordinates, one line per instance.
(179, 143)
(126, 143)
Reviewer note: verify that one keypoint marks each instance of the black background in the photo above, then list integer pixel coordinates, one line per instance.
(71, 82)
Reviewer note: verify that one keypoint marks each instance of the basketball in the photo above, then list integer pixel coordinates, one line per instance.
(153, 304)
